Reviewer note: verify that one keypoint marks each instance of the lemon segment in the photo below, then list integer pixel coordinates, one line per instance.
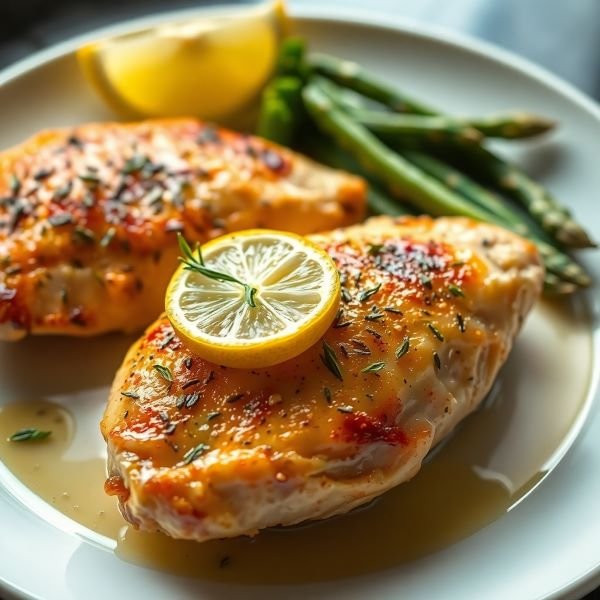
(297, 297)
(209, 68)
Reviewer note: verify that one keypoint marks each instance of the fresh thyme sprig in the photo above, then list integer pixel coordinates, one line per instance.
(193, 261)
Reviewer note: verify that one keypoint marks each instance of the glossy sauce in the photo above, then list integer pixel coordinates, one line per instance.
(495, 457)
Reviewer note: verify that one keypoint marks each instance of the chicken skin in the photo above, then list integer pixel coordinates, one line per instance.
(429, 312)
(89, 216)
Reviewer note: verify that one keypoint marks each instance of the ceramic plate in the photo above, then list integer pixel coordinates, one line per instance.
(506, 509)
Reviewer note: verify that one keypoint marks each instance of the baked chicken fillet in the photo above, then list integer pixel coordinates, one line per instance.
(429, 312)
(88, 216)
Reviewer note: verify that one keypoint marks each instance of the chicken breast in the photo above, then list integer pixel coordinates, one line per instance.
(88, 216)
(429, 312)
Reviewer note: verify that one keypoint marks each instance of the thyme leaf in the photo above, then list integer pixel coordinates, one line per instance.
(366, 294)
(330, 361)
(193, 261)
(193, 453)
(436, 331)
(29, 434)
(403, 347)
(164, 372)
(456, 290)
(374, 367)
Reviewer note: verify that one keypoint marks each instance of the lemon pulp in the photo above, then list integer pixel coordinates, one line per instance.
(297, 297)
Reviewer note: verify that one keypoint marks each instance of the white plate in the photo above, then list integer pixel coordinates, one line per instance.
(548, 545)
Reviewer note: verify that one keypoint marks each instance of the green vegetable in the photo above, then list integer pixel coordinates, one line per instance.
(399, 175)
(30, 434)
(353, 76)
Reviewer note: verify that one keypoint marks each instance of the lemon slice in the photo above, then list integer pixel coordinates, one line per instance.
(285, 295)
(209, 68)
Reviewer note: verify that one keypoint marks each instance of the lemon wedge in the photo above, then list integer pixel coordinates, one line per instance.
(209, 68)
(253, 298)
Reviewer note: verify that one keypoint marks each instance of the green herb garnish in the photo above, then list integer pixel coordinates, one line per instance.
(374, 367)
(327, 394)
(366, 294)
(108, 237)
(130, 395)
(164, 372)
(330, 360)
(30, 434)
(461, 322)
(196, 264)
(456, 291)
(14, 184)
(403, 347)
(192, 454)
(436, 331)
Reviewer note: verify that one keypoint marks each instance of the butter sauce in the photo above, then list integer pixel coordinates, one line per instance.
(491, 462)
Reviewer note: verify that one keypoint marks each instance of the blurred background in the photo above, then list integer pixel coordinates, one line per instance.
(562, 36)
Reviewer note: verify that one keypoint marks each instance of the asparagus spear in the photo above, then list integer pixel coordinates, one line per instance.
(556, 261)
(399, 175)
(353, 76)
(276, 120)
(554, 218)
(509, 126)
(291, 57)
(433, 128)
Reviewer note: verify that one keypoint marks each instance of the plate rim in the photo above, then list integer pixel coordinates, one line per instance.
(583, 582)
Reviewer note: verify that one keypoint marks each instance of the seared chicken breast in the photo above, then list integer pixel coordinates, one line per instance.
(429, 311)
(88, 216)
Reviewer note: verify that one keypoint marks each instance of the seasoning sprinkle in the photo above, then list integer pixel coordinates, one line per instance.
(345, 409)
(89, 178)
(234, 398)
(212, 415)
(403, 347)
(30, 434)
(461, 323)
(436, 331)
(374, 315)
(134, 164)
(374, 367)
(108, 237)
(64, 191)
(60, 219)
(456, 291)
(168, 339)
(133, 395)
(330, 360)
(192, 454)
(426, 281)
(374, 249)
(15, 184)
(437, 361)
(164, 372)
(392, 310)
(191, 399)
(84, 234)
(189, 383)
(366, 294)
(360, 346)
(327, 394)
(346, 297)
(188, 363)
(373, 333)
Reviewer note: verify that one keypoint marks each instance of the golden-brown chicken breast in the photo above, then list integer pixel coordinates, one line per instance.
(88, 216)
(429, 312)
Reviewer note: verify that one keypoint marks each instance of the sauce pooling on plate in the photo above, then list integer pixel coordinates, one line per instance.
(488, 465)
